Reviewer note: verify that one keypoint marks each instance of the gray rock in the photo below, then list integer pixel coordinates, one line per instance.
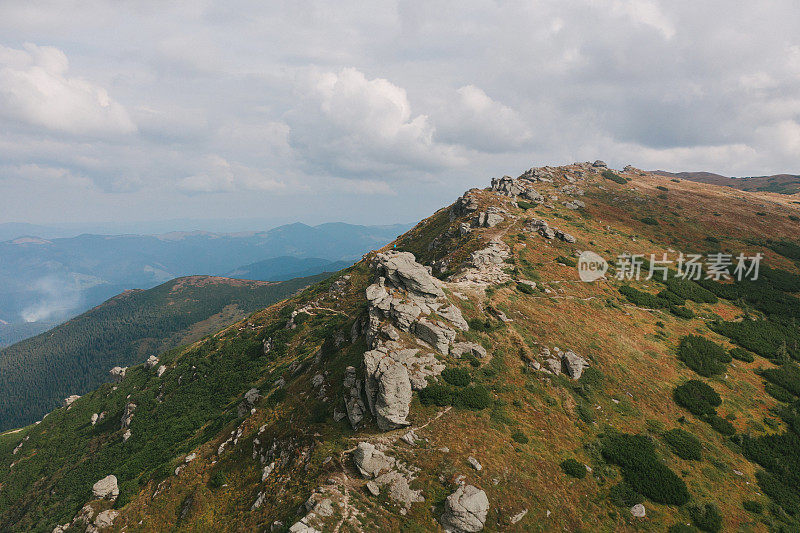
(151, 362)
(69, 400)
(465, 510)
(106, 488)
(638, 511)
(118, 373)
(547, 232)
(532, 195)
(370, 461)
(127, 415)
(475, 463)
(454, 316)
(574, 364)
(599, 164)
(464, 229)
(553, 366)
(402, 269)
(492, 219)
(460, 349)
(352, 397)
(373, 488)
(252, 396)
(437, 336)
(161, 370)
(506, 186)
(519, 516)
(388, 389)
(106, 518)
(566, 237)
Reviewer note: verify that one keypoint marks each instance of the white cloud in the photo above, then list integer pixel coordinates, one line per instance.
(646, 13)
(218, 175)
(475, 120)
(35, 89)
(365, 125)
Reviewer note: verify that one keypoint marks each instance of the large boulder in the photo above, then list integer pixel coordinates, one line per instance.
(460, 349)
(370, 461)
(151, 362)
(437, 336)
(127, 415)
(506, 186)
(118, 373)
(388, 387)
(352, 397)
(454, 316)
(574, 364)
(402, 269)
(465, 510)
(106, 518)
(106, 488)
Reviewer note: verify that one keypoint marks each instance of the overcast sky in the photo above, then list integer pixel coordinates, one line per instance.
(375, 111)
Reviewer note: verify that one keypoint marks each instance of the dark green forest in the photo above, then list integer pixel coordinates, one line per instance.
(75, 357)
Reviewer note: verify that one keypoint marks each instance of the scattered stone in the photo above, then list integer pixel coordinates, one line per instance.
(638, 511)
(465, 510)
(69, 400)
(118, 373)
(106, 488)
(519, 516)
(106, 518)
(453, 314)
(252, 396)
(460, 349)
(475, 464)
(553, 365)
(373, 488)
(566, 237)
(409, 438)
(161, 370)
(370, 461)
(127, 415)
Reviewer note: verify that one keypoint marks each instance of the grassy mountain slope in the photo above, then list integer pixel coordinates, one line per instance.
(779, 183)
(200, 456)
(75, 357)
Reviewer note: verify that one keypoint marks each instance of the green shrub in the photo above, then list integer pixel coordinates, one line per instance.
(568, 261)
(753, 506)
(742, 355)
(661, 188)
(216, 480)
(643, 299)
(684, 444)
(722, 426)
(682, 528)
(786, 376)
(573, 468)
(476, 324)
(698, 398)
(702, 355)
(609, 175)
(650, 221)
(671, 297)
(706, 518)
(456, 376)
(781, 490)
(681, 312)
(643, 471)
(690, 290)
(474, 397)
(436, 394)
(778, 392)
(622, 495)
(520, 437)
(525, 288)
(525, 205)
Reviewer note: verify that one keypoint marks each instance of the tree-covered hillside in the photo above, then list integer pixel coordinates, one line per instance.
(75, 357)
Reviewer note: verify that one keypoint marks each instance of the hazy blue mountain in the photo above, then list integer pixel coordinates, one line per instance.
(287, 267)
(53, 279)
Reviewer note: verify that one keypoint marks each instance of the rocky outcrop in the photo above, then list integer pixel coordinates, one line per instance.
(402, 269)
(354, 405)
(127, 415)
(106, 518)
(151, 363)
(460, 349)
(118, 373)
(599, 164)
(465, 205)
(436, 335)
(69, 400)
(106, 488)
(370, 461)
(638, 511)
(506, 186)
(566, 237)
(465, 510)
(574, 364)
(453, 315)
(388, 389)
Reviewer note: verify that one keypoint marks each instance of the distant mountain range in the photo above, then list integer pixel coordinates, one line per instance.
(75, 357)
(45, 281)
(779, 183)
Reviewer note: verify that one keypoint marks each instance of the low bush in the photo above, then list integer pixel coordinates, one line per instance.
(650, 221)
(722, 426)
(753, 506)
(609, 175)
(671, 297)
(623, 495)
(742, 355)
(661, 188)
(778, 392)
(642, 469)
(520, 437)
(476, 324)
(525, 205)
(436, 394)
(525, 288)
(684, 444)
(690, 290)
(643, 299)
(698, 398)
(706, 518)
(568, 261)
(573, 468)
(456, 376)
(474, 397)
(786, 376)
(681, 312)
(702, 355)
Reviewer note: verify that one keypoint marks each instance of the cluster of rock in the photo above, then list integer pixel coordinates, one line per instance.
(401, 301)
(543, 228)
(486, 266)
(382, 470)
(87, 518)
(556, 362)
(69, 400)
(118, 373)
(127, 418)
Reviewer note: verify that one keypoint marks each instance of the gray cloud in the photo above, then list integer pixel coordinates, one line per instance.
(146, 110)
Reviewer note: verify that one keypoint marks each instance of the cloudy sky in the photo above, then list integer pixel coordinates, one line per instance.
(375, 111)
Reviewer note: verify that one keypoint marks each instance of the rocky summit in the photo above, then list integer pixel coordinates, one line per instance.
(473, 375)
